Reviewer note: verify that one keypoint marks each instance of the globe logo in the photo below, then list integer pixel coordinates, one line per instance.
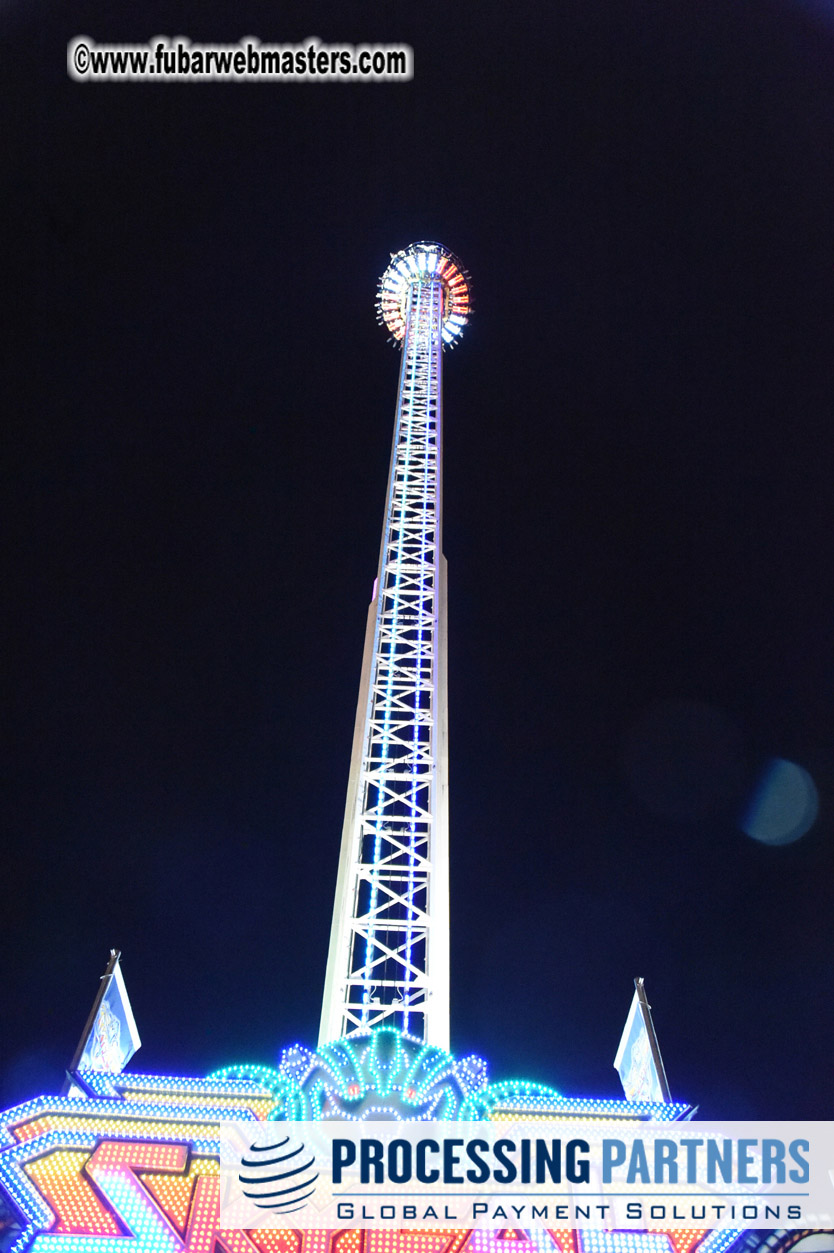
(279, 1176)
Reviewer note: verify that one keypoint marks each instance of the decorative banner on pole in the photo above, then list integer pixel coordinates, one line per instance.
(638, 1059)
(606, 1175)
(110, 1038)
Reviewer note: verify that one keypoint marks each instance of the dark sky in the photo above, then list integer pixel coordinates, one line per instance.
(638, 526)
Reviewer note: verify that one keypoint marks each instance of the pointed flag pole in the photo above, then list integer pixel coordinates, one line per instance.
(646, 1012)
(109, 1038)
(104, 984)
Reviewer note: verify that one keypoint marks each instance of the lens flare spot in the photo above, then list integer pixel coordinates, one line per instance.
(783, 806)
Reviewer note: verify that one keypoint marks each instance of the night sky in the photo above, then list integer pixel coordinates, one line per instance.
(638, 510)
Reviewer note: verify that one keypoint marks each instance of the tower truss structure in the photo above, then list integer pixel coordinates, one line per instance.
(388, 962)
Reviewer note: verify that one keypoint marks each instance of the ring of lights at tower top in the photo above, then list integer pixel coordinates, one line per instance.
(413, 265)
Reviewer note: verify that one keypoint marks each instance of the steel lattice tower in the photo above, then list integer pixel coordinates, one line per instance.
(388, 963)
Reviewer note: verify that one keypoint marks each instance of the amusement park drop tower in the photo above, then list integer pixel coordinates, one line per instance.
(388, 963)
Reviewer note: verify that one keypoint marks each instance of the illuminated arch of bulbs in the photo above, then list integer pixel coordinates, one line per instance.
(388, 1074)
(138, 1154)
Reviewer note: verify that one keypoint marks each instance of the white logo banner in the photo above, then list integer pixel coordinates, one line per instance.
(499, 1175)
